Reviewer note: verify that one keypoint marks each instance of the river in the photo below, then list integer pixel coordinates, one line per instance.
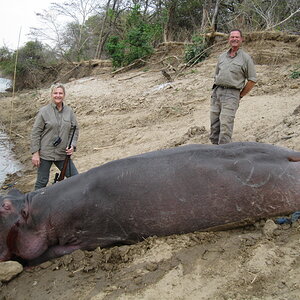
(8, 163)
(4, 84)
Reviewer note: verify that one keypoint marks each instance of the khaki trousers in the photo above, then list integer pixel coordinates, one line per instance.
(223, 106)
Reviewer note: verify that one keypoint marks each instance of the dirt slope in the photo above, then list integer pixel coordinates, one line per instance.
(139, 111)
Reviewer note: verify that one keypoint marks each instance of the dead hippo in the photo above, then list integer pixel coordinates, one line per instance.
(165, 192)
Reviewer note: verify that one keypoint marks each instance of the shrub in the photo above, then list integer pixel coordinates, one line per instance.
(116, 50)
(137, 41)
(32, 64)
(295, 74)
(196, 51)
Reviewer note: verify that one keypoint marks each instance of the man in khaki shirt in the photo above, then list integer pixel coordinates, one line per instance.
(235, 76)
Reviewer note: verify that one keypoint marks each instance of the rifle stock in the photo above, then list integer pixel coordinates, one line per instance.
(61, 176)
(64, 169)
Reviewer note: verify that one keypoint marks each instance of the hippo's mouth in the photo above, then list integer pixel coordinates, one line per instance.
(11, 241)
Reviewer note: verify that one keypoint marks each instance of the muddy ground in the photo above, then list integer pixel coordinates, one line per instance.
(137, 111)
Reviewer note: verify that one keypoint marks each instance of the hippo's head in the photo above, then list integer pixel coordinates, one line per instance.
(10, 207)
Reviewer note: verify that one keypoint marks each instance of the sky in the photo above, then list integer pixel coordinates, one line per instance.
(16, 17)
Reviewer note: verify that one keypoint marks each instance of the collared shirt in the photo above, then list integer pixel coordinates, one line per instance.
(50, 123)
(234, 71)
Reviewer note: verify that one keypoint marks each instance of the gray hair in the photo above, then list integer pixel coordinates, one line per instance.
(237, 30)
(56, 86)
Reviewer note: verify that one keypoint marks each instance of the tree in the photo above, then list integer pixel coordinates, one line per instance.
(5, 54)
(260, 15)
(33, 60)
(91, 23)
(6, 61)
(136, 42)
(171, 23)
(102, 36)
(77, 11)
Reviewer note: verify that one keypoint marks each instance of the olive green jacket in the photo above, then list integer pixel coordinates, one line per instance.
(50, 123)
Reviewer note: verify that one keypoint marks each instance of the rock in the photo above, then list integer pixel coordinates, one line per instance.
(269, 228)
(46, 264)
(151, 267)
(9, 269)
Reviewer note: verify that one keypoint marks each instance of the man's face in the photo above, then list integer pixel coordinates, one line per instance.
(235, 39)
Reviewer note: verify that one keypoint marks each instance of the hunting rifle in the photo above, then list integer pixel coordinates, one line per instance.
(61, 176)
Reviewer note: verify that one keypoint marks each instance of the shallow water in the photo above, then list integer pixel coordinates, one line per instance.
(8, 162)
(4, 84)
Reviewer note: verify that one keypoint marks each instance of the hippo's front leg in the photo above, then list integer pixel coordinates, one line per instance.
(53, 252)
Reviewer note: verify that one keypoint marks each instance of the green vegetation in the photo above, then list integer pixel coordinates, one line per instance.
(6, 62)
(197, 51)
(127, 30)
(295, 74)
(32, 61)
(137, 41)
(116, 49)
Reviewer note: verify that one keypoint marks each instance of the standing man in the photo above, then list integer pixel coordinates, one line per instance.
(234, 67)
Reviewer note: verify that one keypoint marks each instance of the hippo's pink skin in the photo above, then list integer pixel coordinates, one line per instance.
(165, 192)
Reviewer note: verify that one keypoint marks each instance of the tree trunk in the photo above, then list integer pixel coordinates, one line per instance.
(101, 40)
(215, 17)
(171, 24)
(210, 20)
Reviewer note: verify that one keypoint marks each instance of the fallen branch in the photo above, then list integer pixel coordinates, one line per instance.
(136, 75)
(59, 79)
(187, 65)
(136, 63)
(291, 15)
(17, 134)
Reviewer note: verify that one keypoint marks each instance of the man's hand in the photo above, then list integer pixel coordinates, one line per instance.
(36, 160)
(70, 151)
(247, 88)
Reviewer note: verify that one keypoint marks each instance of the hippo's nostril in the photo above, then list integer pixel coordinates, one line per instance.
(24, 214)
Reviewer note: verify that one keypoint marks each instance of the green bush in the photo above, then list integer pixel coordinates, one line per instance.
(295, 74)
(6, 61)
(116, 50)
(137, 40)
(196, 51)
